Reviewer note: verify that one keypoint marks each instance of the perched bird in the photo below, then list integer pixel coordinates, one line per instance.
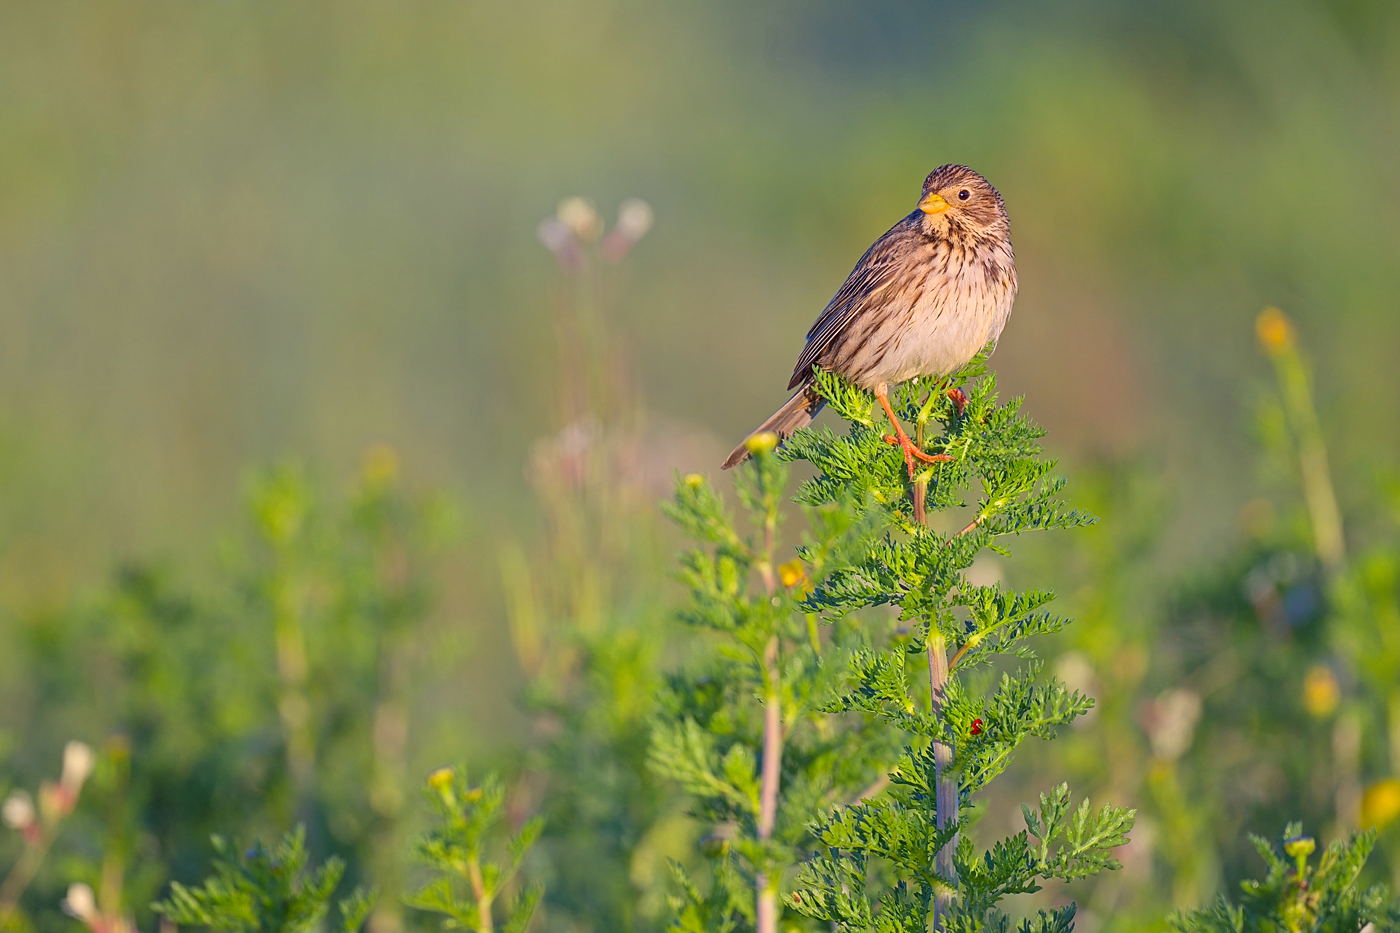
(922, 301)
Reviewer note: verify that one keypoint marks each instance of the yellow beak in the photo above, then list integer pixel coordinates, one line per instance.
(933, 204)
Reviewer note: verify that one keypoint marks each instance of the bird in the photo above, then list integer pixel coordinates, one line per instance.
(930, 293)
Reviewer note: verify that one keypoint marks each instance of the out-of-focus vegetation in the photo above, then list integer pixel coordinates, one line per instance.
(1295, 895)
(239, 234)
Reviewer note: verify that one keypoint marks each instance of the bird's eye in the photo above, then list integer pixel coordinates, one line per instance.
(964, 194)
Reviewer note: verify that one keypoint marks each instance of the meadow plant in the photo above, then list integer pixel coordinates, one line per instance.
(1298, 897)
(263, 891)
(38, 825)
(587, 619)
(898, 857)
(474, 863)
(742, 729)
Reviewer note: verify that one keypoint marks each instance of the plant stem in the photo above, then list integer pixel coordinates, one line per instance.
(1296, 388)
(20, 875)
(292, 705)
(946, 788)
(483, 900)
(767, 904)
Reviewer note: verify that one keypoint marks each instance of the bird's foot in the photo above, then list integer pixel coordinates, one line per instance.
(959, 400)
(912, 451)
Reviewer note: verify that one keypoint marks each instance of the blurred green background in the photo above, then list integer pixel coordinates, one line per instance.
(236, 237)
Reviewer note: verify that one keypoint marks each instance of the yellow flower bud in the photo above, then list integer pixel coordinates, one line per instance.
(762, 443)
(1321, 692)
(441, 781)
(1299, 847)
(694, 480)
(1380, 804)
(1274, 330)
(380, 467)
(792, 573)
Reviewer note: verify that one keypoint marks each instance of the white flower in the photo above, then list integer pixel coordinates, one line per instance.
(1171, 722)
(18, 810)
(81, 902)
(581, 217)
(78, 761)
(634, 218)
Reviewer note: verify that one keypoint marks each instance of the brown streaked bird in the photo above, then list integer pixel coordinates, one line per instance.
(930, 293)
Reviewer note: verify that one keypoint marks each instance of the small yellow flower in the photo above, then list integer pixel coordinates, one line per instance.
(792, 573)
(1299, 847)
(1321, 692)
(694, 480)
(380, 467)
(441, 781)
(762, 443)
(1274, 330)
(1380, 804)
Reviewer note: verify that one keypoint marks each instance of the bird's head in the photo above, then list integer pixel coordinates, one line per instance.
(958, 200)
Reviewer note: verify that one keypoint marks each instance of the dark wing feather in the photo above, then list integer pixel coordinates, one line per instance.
(879, 270)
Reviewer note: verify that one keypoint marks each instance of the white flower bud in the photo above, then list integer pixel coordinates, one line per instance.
(81, 902)
(634, 218)
(581, 217)
(18, 810)
(554, 235)
(78, 761)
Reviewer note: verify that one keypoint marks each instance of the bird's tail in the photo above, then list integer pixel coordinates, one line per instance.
(797, 413)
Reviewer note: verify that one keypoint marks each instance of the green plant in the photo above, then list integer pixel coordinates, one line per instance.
(460, 850)
(1296, 897)
(901, 861)
(265, 891)
(742, 729)
(587, 616)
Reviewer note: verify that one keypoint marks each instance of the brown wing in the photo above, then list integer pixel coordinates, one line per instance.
(879, 270)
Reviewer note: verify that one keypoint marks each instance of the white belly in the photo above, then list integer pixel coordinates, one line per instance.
(944, 328)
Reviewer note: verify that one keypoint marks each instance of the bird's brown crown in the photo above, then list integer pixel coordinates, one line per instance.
(955, 198)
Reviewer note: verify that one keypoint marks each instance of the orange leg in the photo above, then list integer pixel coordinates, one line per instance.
(911, 450)
(959, 400)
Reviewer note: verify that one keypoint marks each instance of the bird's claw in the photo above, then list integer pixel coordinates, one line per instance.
(958, 399)
(911, 451)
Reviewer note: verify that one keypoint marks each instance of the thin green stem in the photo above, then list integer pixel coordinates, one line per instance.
(21, 874)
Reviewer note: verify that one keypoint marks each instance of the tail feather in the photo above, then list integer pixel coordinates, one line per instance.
(797, 413)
